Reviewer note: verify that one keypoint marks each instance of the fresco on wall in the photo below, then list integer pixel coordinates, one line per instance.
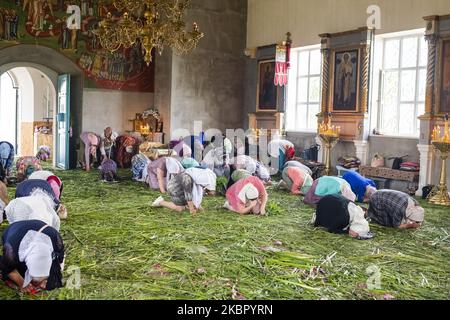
(44, 22)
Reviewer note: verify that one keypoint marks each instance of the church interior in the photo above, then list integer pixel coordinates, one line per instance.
(224, 150)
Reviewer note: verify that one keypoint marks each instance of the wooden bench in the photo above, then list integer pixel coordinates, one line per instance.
(387, 176)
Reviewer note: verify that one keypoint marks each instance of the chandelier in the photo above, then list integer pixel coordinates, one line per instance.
(152, 24)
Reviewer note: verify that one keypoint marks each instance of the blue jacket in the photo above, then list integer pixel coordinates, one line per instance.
(358, 184)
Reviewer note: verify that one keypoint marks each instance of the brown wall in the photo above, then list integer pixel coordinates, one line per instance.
(27, 139)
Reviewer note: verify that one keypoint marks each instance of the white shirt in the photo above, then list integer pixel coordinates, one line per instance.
(358, 222)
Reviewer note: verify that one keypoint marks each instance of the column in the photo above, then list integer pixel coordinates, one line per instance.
(362, 150)
(426, 166)
(321, 153)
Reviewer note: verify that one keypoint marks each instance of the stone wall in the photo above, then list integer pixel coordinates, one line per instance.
(208, 84)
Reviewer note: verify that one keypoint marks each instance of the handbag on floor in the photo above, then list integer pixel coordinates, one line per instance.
(377, 161)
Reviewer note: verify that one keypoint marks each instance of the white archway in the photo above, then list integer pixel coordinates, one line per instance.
(26, 104)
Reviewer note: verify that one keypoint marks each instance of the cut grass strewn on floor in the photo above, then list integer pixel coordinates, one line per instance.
(127, 250)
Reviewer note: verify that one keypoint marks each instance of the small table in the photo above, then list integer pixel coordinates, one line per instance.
(342, 170)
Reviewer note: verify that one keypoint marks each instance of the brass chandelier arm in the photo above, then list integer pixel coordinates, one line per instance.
(162, 25)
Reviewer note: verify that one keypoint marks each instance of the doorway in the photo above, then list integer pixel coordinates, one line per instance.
(27, 104)
(64, 101)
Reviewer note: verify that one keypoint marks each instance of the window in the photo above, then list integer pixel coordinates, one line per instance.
(304, 90)
(402, 71)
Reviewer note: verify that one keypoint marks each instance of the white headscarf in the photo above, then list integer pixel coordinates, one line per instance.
(415, 212)
(203, 178)
(36, 251)
(248, 192)
(245, 162)
(173, 167)
(228, 145)
(41, 175)
(36, 207)
(358, 222)
(274, 147)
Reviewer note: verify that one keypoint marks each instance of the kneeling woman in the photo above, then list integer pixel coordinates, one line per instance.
(296, 180)
(37, 207)
(161, 171)
(361, 186)
(51, 178)
(6, 156)
(186, 190)
(339, 215)
(4, 199)
(326, 186)
(395, 209)
(247, 196)
(108, 172)
(33, 257)
(41, 187)
(127, 147)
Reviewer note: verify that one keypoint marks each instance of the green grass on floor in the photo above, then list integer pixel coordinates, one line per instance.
(125, 249)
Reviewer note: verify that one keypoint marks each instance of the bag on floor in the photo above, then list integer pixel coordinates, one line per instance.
(377, 161)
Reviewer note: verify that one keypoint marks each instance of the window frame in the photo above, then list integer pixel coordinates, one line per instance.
(294, 82)
(383, 70)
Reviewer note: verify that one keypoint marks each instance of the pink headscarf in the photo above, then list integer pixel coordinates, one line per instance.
(55, 183)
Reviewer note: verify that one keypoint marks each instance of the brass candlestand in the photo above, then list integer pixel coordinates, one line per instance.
(441, 196)
(441, 145)
(329, 135)
(329, 142)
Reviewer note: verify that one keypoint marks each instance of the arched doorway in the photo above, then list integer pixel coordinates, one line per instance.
(27, 107)
(54, 66)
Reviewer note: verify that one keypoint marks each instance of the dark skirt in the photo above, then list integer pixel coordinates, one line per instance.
(332, 214)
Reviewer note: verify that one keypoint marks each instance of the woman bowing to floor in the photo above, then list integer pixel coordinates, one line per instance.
(33, 257)
(395, 209)
(247, 196)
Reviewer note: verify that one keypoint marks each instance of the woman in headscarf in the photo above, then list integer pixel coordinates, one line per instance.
(161, 171)
(189, 163)
(44, 153)
(395, 209)
(325, 186)
(139, 165)
(39, 187)
(247, 196)
(26, 166)
(244, 162)
(4, 199)
(127, 147)
(33, 256)
(183, 150)
(300, 165)
(6, 156)
(37, 207)
(187, 189)
(296, 180)
(361, 186)
(283, 150)
(239, 174)
(108, 171)
(218, 160)
(91, 146)
(339, 215)
(108, 143)
(54, 181)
